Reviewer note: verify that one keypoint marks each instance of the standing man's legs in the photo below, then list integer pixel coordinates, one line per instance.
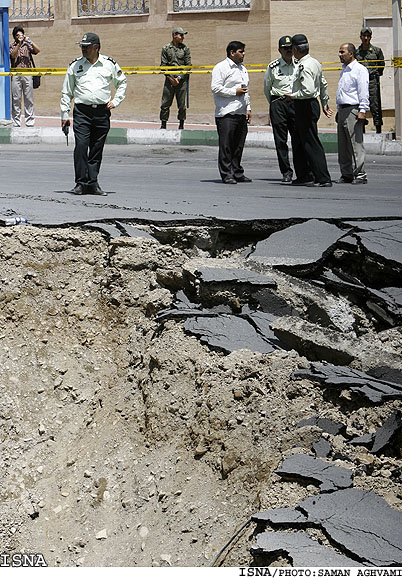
(375, 103)
(82, 123)
(232, 132)
(27, 89)
(279, 120)
(100, 129)
(181, 92)
(345, 149)
(167, 100)
(16, 91)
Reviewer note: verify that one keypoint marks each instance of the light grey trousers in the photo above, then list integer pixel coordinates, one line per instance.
(350, 143)
(22, 86)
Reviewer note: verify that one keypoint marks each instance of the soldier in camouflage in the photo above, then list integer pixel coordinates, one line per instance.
(372, 57)
(175, 54)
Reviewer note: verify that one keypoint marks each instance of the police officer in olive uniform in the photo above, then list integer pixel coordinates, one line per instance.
(372, 57)
(87, 81)
(278, 81)
(175, 54)
(309, 85)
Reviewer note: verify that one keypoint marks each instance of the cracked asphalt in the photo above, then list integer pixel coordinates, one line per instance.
(151, 183)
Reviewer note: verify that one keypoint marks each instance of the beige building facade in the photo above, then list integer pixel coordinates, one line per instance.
(136, 39)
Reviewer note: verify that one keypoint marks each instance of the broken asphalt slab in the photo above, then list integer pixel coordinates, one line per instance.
(325, 424)
(360, 522)
(385, 435)
(341, 377)
(309, 469)
(300, 247)
(380, 238)
(301, 550)
(280, 517)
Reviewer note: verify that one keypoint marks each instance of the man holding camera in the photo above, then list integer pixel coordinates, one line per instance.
(21, 52)
(87, 81)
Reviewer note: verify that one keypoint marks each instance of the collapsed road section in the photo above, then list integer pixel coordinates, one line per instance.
(162, 385)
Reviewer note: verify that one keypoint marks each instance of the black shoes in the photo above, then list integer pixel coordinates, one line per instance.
(94, 189)
(344, 180)
(181, 125)
(163, 125)
(77, 190)
(229, 181)
(323, 184)
(243, 179)
(287, 178)
(352, 181)
(302, 182)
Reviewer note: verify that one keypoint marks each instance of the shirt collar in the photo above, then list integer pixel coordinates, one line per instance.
(232, 62)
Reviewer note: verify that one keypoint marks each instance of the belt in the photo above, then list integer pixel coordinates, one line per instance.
(348, 105)
(277, 97)
(93, 106)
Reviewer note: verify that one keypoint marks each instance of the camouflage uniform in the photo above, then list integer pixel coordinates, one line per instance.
(376, 70)
(174, 56)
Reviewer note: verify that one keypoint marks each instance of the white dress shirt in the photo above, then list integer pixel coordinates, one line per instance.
(227, 76)
(353, 86)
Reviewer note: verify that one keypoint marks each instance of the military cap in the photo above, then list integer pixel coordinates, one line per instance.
(178, 30)
(366, 29)
(298, 39)
(285, 41)
(88, 39)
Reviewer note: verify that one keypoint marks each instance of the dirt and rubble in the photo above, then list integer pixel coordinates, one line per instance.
(127, 441)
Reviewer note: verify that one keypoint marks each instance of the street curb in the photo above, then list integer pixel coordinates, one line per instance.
(375, 144)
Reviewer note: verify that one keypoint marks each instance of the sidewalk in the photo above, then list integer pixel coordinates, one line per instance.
(47, 130)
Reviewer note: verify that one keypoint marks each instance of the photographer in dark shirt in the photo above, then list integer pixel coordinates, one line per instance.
(21, 52)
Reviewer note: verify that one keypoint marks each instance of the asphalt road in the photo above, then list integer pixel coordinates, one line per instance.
(165, 183)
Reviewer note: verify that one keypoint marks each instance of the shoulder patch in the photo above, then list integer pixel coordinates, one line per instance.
(111, 59)
(274, 63)
(75, 60)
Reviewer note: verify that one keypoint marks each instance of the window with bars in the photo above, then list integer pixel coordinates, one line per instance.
(30, 9)
(112, 7)
(199, 5)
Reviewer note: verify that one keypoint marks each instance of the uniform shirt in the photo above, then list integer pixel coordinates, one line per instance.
(374, 53)
(309, 82)
(175, 56)
(24, 58)
(353, 86)
(278, 79)
(89, 84)
(227, 76)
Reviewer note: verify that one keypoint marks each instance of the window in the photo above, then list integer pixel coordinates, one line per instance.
(112, 7)
(30, 9)
(199, 5)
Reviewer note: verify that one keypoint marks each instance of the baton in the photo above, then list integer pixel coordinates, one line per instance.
(66, 129)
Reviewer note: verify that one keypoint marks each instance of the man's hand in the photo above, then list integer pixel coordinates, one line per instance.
(361, 116)
(241, 91)
(64, 123)
(110, 105)
(248, 117)
(288, 98)
(174, 81)
(327, 111)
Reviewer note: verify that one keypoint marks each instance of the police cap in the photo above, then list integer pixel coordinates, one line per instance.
(366, 30)
(285, 41)
(178, 30)
(298, 39)
(88, 39)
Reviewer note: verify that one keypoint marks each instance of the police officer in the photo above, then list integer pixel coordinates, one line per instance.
(309, 84)
(278, 81)
(87, 81)
(372, 57)
(175, 54)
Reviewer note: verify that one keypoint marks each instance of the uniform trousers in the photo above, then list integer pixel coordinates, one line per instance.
(375, 100)
(91, 126)
(168, 94)
(232, 132)
(350, 143)
(282, 115)
(22, 87)
(308, 153)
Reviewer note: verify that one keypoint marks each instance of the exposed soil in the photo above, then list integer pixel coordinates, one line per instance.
(127, 442)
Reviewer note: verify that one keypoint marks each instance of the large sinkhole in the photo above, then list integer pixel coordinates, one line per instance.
(165, 386)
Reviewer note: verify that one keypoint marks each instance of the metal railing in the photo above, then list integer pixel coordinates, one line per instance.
(112, 7)
(30, 9)
(200, 5)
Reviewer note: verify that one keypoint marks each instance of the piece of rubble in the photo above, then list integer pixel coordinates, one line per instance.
(301, 247)
(360, 522)
(301, 550)
(305, 467)
(233, 276)
(387, 433)
(381, 238)
(262, 321)
(322, 448)
(111, 231)
(273, 304)
(101, 535)
(228, 333)
(182, 307)
(134, 232)
(280, 516)
(339, 377)
(327, 425)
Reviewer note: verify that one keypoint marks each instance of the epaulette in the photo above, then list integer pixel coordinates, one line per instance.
(75, 60)
(274, 63)
(301, 67)
(111, 59)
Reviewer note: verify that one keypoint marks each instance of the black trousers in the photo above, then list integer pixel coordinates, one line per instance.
(232, 132)
(91, 126)
(308, 153)
(282, 115)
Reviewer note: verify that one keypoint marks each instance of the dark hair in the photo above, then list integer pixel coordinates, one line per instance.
(351, 48)
(234, 46)
(303, 48)
(17, 29)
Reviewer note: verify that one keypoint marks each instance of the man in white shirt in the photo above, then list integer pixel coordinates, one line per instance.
(232, 112)
(352, 99)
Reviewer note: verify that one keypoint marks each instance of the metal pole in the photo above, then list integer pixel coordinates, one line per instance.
(397, 34)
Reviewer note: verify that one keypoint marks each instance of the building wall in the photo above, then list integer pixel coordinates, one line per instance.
(136, 40)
